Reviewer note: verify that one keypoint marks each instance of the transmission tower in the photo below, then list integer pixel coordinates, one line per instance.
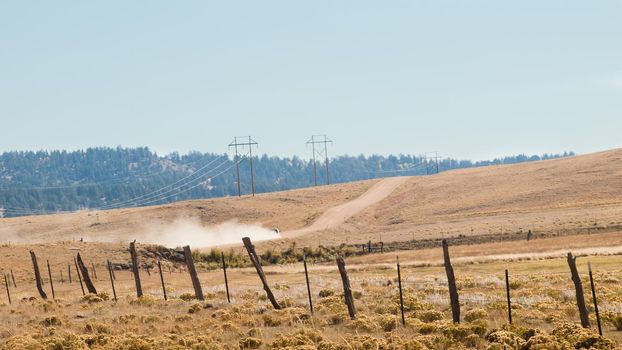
(317, 151)
(435, 156)
(248, 142)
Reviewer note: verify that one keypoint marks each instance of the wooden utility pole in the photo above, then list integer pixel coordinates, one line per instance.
(583, 314)
(451, 281)
(134, 256)
(347, 291)
(84, 271)
(250, 143)
(198, 291)
(324, 141)
(33, 256)
(255, 260)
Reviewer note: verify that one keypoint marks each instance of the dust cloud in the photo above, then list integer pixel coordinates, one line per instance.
(190, 231)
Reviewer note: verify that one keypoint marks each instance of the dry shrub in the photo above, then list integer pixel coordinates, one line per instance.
(504, 338)
(194, 308)
(300, 338)
(429, 315)
(95, 327)
(475, 314)
(51, 321)
(271, 320)
(145, 300)
(326, 293)
(249, 343)
(363, 323)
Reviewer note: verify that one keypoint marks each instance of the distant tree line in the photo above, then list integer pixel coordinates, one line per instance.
(52, 181)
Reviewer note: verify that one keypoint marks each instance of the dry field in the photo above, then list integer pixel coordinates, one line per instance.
(572, 204)
(544, 310)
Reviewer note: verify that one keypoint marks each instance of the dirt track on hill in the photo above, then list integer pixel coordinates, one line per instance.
(337, 215)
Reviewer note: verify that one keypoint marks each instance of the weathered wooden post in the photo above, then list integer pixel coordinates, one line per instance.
(347, 291)
(94, 271)
(79, 277)
(139, 288)
(69, 272)
(507, 291)
(255, 260)
(162, 279)
(369, 247)
(224, 270)
(381, 247)
(198, 291)
(451, 281)
(304, 262)
(13, 278)
(600, 330)
(114, 292)
(37, 275)
(585, 321)
(84, 271)
(399, 284)
(6, 285)
(51, 282)
(62, 280)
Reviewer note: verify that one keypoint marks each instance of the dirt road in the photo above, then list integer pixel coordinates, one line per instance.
(336, 216)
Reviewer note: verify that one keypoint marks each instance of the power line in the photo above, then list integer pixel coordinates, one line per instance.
(323, 141)
(250, 143)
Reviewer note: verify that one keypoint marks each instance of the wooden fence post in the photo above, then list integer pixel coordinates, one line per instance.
(255, 260)
(37, 275)
(507, 291)
(62, 280)
(451, 281)
(139, 288)
(347, 291)
(198, 291)
(79, 276)
(6, 285)
(13, 278)
(304, 262)
(51, 282)
(369, 247)
(224, 270)
(94, 271)
(114, 292)
(600, 330)
(399, 284)
(85, 276)
(69, 272)
(585, 321)
(162, 279)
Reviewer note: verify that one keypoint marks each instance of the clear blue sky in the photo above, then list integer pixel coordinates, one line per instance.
(469, 79)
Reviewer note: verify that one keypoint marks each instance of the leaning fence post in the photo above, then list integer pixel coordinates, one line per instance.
(255, 260)
(600, 330)
(79, 276)
(224, 270)
(114, 292)
(304, 262)
(198, 291)
(139, 289)
(585, 321)
(37, 275)
(347, 291)
(85, 276)
(451, 281)
(6, 285)
(399, 284)
(13, 278)
(507, 291)
(162, 279)
(69, 272)
(51, 282)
